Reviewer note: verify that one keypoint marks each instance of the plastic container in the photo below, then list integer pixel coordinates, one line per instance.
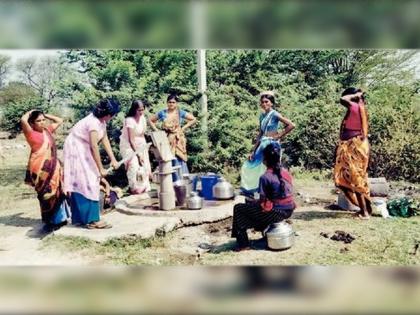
(207, 183)
(381, 208)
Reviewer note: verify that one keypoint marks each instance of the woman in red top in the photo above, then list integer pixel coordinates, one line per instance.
(352, 154)
(44, 170)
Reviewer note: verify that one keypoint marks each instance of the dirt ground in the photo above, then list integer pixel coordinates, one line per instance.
(377, 241)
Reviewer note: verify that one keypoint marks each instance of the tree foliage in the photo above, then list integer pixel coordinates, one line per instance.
(4, 69)
(308, 84)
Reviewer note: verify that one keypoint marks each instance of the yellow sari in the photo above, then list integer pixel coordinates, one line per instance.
(351, 164)
(176, 137)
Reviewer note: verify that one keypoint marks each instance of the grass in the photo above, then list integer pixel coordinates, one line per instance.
(378, 242)
(129, 250)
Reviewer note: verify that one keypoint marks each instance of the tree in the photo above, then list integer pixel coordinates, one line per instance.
(49, 76)
(4, 69)
(16, 91)
(307, 83)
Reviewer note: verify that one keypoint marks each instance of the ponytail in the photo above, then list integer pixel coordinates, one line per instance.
(272, 159)
(277, 171)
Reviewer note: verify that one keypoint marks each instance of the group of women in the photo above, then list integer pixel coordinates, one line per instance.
(262, 176)
(73, 191)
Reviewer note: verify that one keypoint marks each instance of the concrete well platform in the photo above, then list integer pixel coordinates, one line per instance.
(213, 210)
(135, 216)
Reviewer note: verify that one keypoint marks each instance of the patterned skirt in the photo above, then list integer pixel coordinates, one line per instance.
(350, 170)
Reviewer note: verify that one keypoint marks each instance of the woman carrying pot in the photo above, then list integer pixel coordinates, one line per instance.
(270, 120)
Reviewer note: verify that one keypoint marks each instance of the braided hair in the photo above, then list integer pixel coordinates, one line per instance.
(271, 155)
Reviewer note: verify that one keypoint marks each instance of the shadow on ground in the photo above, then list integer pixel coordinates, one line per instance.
(18, 220)
(13, 175)
(319, 215)
(259, 244)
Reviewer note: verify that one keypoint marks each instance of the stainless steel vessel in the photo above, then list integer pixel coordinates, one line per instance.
(280, 236)
(223, 189)
(194, 202)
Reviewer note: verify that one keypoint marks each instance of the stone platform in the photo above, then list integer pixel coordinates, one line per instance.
(212, 210)
(139, 217)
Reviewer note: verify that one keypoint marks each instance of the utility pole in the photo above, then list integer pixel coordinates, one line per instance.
(198, 26)
(202, 87)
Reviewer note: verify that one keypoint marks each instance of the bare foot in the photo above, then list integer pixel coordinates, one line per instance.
(360, 216)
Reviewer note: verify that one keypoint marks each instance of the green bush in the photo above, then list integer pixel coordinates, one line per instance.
(394, 122)
(13, 111)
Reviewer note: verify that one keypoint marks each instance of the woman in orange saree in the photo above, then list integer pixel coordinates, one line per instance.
(44, 171)
(352, 153)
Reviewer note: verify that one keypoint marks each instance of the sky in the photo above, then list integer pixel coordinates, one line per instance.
(16, 54)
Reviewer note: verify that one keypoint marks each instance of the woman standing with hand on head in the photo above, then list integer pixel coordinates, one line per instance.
(270, 120)
(82, 164)
(352, 153)
(44, 171)
(133, 146)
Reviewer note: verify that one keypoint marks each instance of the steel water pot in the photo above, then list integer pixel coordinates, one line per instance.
(194, 202)
(280, 236)
(223, 189)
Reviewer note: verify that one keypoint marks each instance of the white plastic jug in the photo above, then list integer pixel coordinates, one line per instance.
(381, 207)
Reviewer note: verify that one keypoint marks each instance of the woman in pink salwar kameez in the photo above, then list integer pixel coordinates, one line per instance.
(83, 168)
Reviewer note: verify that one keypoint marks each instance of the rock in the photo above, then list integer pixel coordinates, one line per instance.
(344, 204)
(342, 236)
(379, 187)
(324, 234)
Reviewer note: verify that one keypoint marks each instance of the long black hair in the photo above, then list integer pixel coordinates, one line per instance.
(106, 106)
(134, 107)
(34, 115)
(271, 155)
